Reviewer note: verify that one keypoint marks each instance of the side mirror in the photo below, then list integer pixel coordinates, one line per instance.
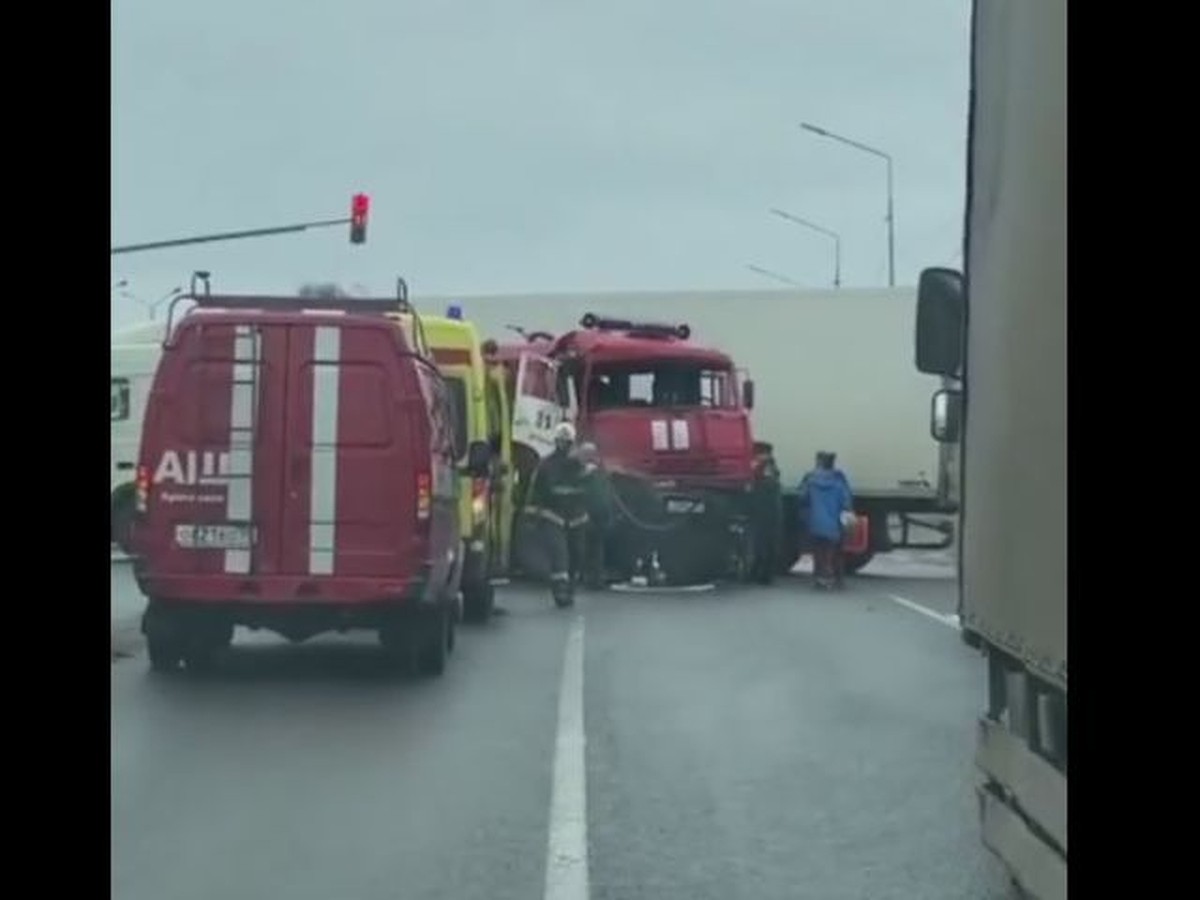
(941, 321)
(479, 458)
(748, 394)
(945, 419)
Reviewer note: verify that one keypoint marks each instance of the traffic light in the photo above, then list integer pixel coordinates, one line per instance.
(359, 204)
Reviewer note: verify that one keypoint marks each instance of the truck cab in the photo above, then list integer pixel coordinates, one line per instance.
(671, 421)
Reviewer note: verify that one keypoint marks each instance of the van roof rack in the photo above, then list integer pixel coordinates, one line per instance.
(206, 299)
(201, 295)
(266, 301)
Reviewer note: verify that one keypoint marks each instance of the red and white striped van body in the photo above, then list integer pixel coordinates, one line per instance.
(295, 459)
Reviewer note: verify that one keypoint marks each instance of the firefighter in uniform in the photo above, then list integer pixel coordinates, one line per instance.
(767, 513)
(555, 505)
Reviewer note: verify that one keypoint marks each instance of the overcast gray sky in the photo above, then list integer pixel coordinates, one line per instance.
(534, 145)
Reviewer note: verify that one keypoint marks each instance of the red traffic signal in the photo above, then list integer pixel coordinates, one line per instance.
(359, 204)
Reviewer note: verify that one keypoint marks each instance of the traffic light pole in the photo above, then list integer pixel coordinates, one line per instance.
(229, 236)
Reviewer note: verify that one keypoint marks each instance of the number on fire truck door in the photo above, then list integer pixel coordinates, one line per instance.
(536, 410)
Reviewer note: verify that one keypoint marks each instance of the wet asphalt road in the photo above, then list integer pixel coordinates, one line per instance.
(746, 743)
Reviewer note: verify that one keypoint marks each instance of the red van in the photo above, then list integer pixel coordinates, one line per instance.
(297, 474)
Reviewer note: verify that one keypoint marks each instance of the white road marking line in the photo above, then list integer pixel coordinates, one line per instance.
(951, 621)
(567, 844)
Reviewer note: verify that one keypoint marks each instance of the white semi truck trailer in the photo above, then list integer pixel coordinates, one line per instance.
(1001, 332)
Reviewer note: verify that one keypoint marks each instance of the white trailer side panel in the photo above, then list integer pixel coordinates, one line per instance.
(833, 369)
(1014, 531)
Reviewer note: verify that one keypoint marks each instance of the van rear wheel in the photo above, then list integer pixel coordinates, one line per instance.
(164, 639)
(435, 642)
(206, 640)
(419, 641)
(165, 653)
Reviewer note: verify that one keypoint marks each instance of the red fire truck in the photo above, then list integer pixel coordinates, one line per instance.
(671, 420)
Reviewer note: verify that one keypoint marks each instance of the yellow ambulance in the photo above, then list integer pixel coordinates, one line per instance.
(482, 415)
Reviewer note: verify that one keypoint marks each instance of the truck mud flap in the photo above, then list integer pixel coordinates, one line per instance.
(1037, 787)
(1033, 864)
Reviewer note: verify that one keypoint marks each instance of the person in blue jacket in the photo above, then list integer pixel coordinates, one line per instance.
(824, 496)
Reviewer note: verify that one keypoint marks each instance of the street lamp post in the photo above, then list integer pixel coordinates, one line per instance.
(837, 241)
(891, 216)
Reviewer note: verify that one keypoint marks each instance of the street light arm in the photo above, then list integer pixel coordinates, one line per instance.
(807, 224)
(837, 240)
(866, 148)
(774, 276)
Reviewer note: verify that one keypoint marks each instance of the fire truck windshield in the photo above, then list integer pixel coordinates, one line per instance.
(672, 384)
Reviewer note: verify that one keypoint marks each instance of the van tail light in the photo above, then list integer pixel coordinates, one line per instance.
(424, 497)
(142, 489)
(479, 492)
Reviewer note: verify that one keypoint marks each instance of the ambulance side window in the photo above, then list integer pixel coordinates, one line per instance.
(443, 430)
(456, 396)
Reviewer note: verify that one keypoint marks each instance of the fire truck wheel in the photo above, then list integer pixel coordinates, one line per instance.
(479, 599)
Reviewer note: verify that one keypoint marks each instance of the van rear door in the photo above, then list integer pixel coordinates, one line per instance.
(213, 426)
(356, 445)
(288, 446)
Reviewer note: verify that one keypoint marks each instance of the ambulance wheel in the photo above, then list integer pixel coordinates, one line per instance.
(479, 600)
(435, 642)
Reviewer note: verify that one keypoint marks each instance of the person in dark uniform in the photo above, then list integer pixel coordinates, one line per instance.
(555, 509)
(597, 494)
(766, 513)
